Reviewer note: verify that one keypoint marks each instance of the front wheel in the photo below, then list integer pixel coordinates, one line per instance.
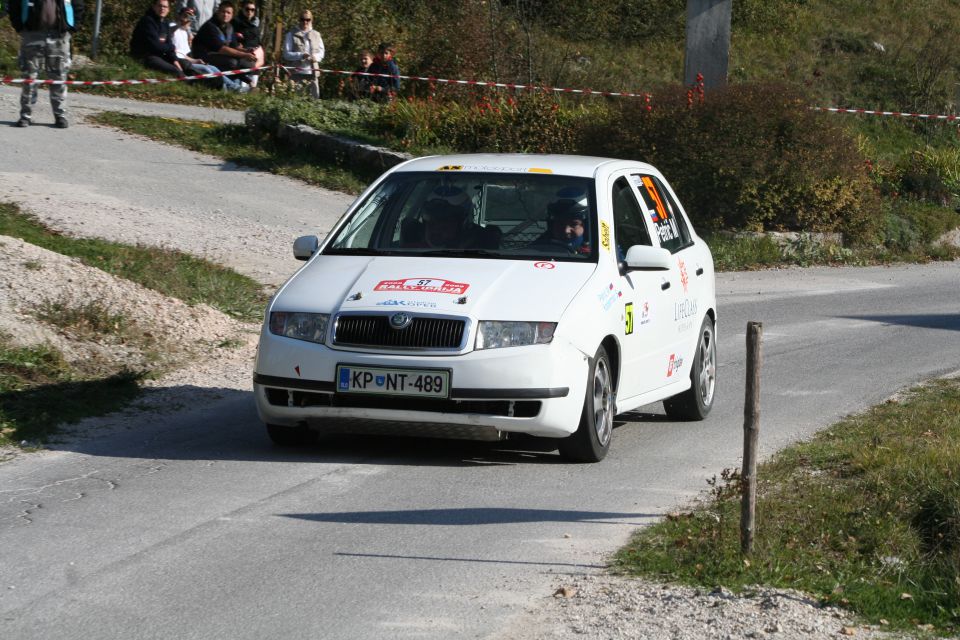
(591, 441)
(695, 403)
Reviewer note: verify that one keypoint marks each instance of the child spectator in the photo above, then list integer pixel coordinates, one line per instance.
(385, 88)
(362, 86)
(304, 46)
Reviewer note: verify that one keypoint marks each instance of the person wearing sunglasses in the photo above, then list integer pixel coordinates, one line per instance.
(303, 47)
(246, 29)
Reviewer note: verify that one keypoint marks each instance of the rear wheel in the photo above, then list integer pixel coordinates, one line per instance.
(591, 441)
(290, 436)
(695, 403)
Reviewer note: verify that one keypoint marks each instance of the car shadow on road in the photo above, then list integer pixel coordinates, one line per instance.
(201, 423)
(475, 516)
(947, 321)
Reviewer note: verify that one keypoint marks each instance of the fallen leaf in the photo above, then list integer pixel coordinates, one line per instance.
(906, 596)
(848, 631)
(565, 592)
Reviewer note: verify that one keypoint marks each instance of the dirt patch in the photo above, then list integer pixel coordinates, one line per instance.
(184, 345)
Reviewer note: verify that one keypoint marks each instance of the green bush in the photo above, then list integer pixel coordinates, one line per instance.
(751, 157)
(528, 123)
(911, 225)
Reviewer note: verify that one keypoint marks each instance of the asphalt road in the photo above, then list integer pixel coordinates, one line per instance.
(193, 526)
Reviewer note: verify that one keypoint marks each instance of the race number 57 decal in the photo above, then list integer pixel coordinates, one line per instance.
(628, 318)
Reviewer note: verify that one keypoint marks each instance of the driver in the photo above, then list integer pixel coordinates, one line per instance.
(566, 226)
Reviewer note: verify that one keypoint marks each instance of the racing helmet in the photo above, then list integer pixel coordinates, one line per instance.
(447, 203)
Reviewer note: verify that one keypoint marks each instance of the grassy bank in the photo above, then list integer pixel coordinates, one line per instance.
(866, 515)
(41, 388)
(171, 273)
(237, 144)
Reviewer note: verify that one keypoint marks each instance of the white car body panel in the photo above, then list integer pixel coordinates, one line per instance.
(590, 301)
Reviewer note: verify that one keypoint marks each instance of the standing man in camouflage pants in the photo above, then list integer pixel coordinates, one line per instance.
(44, 27)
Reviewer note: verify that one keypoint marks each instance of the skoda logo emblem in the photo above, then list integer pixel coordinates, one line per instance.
(400, 320)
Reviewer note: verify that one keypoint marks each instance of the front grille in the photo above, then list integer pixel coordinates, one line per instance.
(422, 333)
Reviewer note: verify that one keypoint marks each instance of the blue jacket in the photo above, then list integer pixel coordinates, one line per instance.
(23, 15)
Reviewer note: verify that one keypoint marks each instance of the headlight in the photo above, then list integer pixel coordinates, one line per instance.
(300, 326)
(493, 335)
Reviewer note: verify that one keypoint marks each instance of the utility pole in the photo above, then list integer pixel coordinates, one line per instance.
(708, 42)
(95, 42)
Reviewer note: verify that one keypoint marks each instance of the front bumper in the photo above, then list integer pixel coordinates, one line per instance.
(537, 390)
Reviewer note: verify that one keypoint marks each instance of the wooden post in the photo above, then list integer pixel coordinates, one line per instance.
(751, 435)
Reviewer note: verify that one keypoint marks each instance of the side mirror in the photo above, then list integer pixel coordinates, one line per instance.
(644, 258)
(305, 246)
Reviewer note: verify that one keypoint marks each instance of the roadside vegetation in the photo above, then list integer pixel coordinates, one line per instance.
(166, 271)
(111, 354)
(866, 515)
(40, 390)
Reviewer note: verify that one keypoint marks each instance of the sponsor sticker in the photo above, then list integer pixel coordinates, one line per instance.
(427, 285)
(605, 235)
(407, 303)
(684, 279)
(628, 318)
(645, 313)
(674, 365)
(544, 265)
(684, 309)
(608, 296)
(451, 167)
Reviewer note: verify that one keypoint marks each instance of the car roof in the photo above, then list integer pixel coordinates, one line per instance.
(564, 165)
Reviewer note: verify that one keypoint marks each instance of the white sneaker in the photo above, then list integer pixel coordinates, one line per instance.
(244, 88)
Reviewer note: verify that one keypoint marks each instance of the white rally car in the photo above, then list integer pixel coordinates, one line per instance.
(477, 296)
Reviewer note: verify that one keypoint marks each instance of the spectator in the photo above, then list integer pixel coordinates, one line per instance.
(304, 46)
(362, 86)
(152, 45)
(202, 10)
(246, 26)
(215, 44)
(45, 27)
(182, 41)
(385, 88)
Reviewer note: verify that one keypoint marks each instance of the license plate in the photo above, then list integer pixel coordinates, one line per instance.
(430, 383)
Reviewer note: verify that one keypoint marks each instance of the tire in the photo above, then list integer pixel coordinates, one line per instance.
(591, 441)
(291, 436)
(695, 403)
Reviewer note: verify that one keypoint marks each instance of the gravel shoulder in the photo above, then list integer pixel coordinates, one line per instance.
(89, 181)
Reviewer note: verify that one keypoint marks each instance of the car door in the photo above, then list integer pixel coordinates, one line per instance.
(671, 232)
(646, 296)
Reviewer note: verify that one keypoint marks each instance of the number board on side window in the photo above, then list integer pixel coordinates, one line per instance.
(668, 225)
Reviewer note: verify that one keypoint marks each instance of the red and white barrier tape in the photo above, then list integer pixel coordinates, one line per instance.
(484, 83)
(896, 114)
(472, 83)
(115, 83)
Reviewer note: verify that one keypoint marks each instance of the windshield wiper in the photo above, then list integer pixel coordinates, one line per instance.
(456, 253)
(353, 251)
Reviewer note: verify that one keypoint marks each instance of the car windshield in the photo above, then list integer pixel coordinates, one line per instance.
(485, 215)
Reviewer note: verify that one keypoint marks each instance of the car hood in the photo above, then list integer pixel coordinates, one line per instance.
(485, 289)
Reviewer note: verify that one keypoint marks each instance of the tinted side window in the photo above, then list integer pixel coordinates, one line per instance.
(668, 224)
(628, 225)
